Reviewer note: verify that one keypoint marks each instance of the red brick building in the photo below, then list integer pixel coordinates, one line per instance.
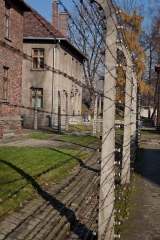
(11, 46)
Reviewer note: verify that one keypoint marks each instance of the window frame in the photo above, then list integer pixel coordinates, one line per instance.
(38, 57)
(65, 63)
(7, 21)
(39, 95)
(5, 83)
(73, 68)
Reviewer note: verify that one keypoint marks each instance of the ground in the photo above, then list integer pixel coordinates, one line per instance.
(143, 221)
(144, 212)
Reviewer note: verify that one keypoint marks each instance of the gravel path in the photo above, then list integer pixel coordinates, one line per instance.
(144, 219)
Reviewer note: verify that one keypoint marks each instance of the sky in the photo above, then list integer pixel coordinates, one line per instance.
(44, 7)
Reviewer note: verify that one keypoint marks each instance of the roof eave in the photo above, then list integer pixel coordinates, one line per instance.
(58, 39)
(24, 6)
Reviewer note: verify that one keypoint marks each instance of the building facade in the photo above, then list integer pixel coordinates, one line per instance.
(52, 72)
(11, 47)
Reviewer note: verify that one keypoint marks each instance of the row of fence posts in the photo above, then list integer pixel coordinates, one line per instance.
(97, 113)
(131, 133)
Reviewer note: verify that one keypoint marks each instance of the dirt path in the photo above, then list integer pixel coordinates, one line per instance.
(144, 219)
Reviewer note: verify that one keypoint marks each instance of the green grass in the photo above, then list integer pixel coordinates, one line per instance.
(149, 132)
(122, 204)
(80, 127)
(24, 169)
(82, 140)
(119, 131)
(39, 135)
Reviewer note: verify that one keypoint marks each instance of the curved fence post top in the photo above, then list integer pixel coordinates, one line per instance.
(126, 53)
(106, 5)
(128, 56)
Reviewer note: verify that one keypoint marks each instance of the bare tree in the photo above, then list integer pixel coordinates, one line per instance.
(150, 40)
(86, 32)
(129, 5)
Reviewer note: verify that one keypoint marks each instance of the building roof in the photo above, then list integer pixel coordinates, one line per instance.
(22, 4)
(37, 27)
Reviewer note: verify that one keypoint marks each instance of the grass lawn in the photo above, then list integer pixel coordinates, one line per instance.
(39, 135)
(82, 140)
(80, 127)
(24, 168)
(148, 132)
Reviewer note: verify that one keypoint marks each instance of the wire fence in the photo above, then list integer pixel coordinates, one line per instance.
(115, 118)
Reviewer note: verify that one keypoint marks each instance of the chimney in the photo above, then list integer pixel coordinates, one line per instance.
(55, 14)
(63, 23)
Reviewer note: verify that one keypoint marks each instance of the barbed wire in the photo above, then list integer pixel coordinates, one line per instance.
(109, 172)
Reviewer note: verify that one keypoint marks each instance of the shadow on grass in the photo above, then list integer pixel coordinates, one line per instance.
(63, 162)
(88, 146)
(59, 206)
(81, 163)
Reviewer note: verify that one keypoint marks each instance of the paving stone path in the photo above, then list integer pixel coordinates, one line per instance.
(54, 211)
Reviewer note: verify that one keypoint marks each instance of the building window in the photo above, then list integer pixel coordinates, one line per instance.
(5, 83)
(36, 98)
(65, 63)
(77, 73)
(38, 58)
(73, 68)
(6, 21)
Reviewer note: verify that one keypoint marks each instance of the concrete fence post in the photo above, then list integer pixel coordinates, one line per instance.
(59, 112)
(95, 115)
(138, 117)
(126, 155)
(35, 111)
(66, 112)
(99, 115)
(133, 118)
(35, 90)
(106, 198)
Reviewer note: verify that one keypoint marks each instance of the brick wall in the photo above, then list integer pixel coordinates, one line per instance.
(63, 23)
(1, 129)
(11, 57)
(55, 14)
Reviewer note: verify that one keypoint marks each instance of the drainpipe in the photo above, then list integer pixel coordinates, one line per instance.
(53, 80)
(53, 83)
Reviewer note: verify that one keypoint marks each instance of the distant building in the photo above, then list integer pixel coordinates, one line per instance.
(144, 111)
(52, 72)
